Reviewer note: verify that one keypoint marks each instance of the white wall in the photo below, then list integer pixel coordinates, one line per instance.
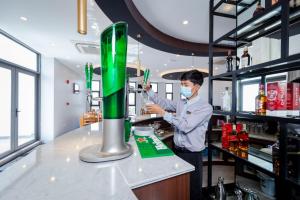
(56, 116)
(66, 117)
(47, 99)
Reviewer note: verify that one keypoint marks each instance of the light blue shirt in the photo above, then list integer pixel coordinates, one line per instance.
(190, 121)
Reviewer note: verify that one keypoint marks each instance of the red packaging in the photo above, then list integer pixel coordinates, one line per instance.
(239, 127)
(281, 100)
(272, 95)
(226, 130)
(276, 96)
(292, 98)
(226, 133)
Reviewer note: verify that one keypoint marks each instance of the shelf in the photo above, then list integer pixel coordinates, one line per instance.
(261, 25)
(254, 186)
(247, 115)
(253, 160)
(271, 67)
(232, 8)
(293, 182)
(220, 112)
(268, 118)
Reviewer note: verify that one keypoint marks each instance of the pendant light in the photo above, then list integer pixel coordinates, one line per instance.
(138, 73)
(82, 16)
(193, 60)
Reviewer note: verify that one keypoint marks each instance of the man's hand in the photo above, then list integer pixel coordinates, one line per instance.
(155, 109)
(148, 87)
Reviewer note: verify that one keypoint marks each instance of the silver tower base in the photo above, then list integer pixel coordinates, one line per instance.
(113, 146)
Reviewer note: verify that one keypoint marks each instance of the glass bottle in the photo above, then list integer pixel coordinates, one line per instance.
(261, 101)
(220, 190)
(226, 100)
(233, 140)
(243, 138)
(245, 59)
(259, 9)
(229, 62)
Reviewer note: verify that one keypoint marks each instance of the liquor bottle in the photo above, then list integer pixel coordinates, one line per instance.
(233, 140)
(220, 190)
(261, 101)
(229, 61)
(243, 138)
(259, 9)
(274, 2)
(238, 61)
(294, 3)
(226, 100)
(245, 59)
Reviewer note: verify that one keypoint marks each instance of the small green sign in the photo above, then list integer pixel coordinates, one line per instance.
(151, 147)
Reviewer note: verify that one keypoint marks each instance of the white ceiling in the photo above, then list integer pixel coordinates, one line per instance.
(168, 16)
(52, 25)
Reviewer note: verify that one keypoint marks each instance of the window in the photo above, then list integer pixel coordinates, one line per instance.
(19, 77)
(16, 53)
(132, 100)
(169, 91)
(154, 87)
(95, 105)
(249, 96)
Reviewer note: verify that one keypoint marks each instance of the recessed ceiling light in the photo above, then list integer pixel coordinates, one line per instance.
(185, 22)
(141, 52)
(165, 64)
(177, 55)
(23, 18)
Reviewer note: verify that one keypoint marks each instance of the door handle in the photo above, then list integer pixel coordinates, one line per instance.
(17, 111)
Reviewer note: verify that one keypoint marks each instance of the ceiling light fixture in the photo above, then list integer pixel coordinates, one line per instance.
(185, 22)
(23, 18)
(177, 55)
(82, 16)
(165, 64)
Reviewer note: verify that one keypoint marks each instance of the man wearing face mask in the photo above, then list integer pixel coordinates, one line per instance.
(190, 122)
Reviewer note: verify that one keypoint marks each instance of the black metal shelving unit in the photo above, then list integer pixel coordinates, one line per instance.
(276, 19)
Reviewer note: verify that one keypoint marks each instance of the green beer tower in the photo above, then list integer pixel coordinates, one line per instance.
(113, 62)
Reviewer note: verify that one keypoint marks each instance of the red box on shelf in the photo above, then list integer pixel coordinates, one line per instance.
(281, 100)
(272, 95)
(293, 96)
(227, 131)
(276, 96)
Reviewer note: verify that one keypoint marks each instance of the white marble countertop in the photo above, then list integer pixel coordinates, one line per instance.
(54, 171)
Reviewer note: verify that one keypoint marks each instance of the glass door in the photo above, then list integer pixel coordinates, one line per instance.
(5, 110)
(26, 107)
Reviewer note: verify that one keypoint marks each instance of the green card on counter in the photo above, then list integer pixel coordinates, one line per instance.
(151, 147)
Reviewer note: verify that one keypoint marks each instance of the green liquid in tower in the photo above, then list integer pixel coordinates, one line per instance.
(113, 65)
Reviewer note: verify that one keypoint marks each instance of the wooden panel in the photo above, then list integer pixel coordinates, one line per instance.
(176, 188)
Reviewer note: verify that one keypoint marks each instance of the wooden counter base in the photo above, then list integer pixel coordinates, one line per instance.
(176, 188)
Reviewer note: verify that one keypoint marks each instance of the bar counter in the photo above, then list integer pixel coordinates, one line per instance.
(54, 171)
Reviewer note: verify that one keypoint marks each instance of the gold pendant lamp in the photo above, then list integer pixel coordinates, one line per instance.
(82, 16)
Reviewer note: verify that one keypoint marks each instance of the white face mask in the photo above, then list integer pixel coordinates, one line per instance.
(186, 91)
